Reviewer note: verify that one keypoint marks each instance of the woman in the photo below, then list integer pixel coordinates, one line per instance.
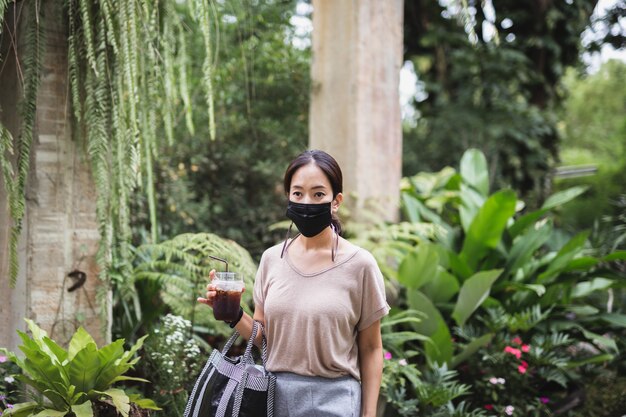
(320, 299)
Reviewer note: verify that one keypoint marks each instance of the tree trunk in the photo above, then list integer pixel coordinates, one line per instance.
(355, 104)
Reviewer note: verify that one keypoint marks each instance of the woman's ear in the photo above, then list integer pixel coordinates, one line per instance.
(336, 202)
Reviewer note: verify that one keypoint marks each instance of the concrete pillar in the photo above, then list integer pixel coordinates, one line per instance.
(355, 104)
(59, 233)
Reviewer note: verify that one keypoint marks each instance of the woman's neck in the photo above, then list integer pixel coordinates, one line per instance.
(322, 240)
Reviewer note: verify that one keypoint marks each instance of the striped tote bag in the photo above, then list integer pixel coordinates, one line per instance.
(234, 387)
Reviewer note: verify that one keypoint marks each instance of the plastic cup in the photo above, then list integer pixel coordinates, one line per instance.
(229, 286)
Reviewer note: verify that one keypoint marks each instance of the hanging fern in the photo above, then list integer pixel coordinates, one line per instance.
(15, 180)
(127, 78)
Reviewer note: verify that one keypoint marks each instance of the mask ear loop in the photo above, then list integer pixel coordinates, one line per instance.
(335, 244)
(282, 252)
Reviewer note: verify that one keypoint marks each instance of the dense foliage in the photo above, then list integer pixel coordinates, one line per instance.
(594, 134)
(72, 381)
(491, 74)
(232, 186)
(497, 292)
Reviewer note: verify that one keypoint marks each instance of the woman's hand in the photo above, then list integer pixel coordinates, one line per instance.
(210, 291)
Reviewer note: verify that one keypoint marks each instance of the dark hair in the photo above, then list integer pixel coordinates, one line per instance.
(329, 167)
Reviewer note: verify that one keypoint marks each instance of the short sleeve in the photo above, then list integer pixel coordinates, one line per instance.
(374, 303)
(258, 294)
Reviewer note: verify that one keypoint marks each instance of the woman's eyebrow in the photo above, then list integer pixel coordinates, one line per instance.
(299, 187)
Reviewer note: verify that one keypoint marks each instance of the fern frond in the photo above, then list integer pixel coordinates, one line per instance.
(88, 30)
(6, 153)
(183, 83)
(203, 15)
(28, 107)
(111, 34)
(72, 55)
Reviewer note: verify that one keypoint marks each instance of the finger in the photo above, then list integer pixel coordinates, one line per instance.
(212, 274)
(203, 300)
(211, 287)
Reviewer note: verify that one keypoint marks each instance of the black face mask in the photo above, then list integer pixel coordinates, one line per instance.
(310, 219)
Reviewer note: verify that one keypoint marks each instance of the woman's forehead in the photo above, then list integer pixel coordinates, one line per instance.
(310, 176)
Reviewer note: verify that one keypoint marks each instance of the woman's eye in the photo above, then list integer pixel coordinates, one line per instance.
(319, 195)
(296, 193)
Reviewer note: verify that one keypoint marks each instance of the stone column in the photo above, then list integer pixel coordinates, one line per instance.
(59, 232)
(355, 104)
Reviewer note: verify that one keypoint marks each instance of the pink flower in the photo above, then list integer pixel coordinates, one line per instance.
(515, 352)
(544, 400)
(521, 369)
(388, 355)
(494, 380)
(509, 410)
(525, 348)
(488, 407)
(517, 340)
(525, 364)
(403, 362)
(3, 359)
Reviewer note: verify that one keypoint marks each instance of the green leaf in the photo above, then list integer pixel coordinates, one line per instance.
(458, 266)
(562, 197)
(583, 289)
(474, 170)
(471, 348)
(109, 370)
(83, 368)
(402, 317)
(524, 247)
(419, 266)
(83, 410)
(432, 317)
(600, 358)
(537, 289)
(555, 200)
(120, 400)
(399, 338)
(443, 288)
(486, 229)
(471, 202)
(58, 351)
(599, 340)
(583, 263)
(129, 378)
(79, 340)
(145, 403)
(411, 206)
(563, 257)
(48, 412)
(619, 255)
(25, 409)
(473, 292)
(439, 350)
(614, 318)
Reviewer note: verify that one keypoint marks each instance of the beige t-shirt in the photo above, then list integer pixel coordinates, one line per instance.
(312, 320)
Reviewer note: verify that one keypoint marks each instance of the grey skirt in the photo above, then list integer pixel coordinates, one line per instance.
(314, 396)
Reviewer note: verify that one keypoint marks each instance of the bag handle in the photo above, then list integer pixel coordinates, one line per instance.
(247, 356)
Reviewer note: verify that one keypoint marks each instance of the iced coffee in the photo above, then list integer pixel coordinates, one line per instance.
(228, 286)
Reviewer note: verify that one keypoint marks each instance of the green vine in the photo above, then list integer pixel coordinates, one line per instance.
(127, 72)
(15, 178)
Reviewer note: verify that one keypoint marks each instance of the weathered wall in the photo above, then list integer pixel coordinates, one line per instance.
(355, 105)
(60, 230)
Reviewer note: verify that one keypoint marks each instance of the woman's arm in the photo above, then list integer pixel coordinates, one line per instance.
(371, 364)
(244, 327)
